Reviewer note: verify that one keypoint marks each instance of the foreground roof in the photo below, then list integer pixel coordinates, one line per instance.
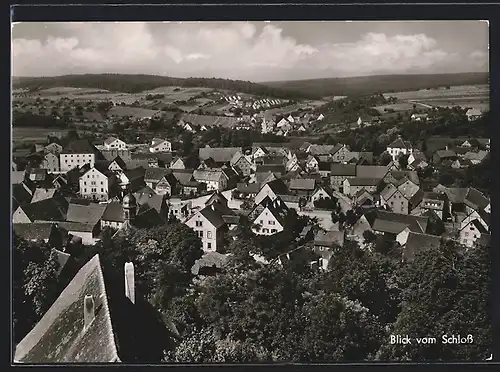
(59, 337)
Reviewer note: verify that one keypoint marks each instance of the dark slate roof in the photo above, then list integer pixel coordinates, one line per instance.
(358, 181)
(339, 169)
(152, 200)
(418, 242)
(80, 146)
(278, 186)
(33, 231)
(20, 195)
(475, 199)
(155, 174)
(53, 209)
(372, 171)
(213, 216)
(398, 143)
(302, 184)
(183, 176)
(135, 173)
(219, 154)
(396, 222)
(59, 336)
(274, 168)
(91, 213)
(120, 162)
(113, 212)
(77, 226)
(251, 188)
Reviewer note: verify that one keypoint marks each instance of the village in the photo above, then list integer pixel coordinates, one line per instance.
(279, 199)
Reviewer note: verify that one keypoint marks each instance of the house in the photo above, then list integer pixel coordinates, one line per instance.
(214, 179)
(304, 187)
(442, 155)
(84, 221)
(167, 185)
(53, 209)
(243, 163)
(420, 117)
(340, 153)
(208, 163)
(271, 190)
(419, 242)
(131, 179)
(268, 217)
(112, 143)
(324, 244)
(258, 152)
(54, 148)
(97, 183)
(50, 162)
(221, 155)
(320, 117)
(476, 157)
(160, 145)
(321, 192)
(471, 233)
(473, 114)
(210, 226)
(398, 147)
(363, 199)
(339, 173)
(393, 198)
(100, 308)
(148, 213)
(373, 171)
(44, 193)
(37, 175)
(153, 175)
(352, 185)
(399, 225)
(178, 164)
(312, 163)
(267, 126)
(117, 165)
(77, 154)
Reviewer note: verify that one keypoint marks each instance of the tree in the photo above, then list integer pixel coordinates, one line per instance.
(450, 296)
(384, 159)
(35, 283)
(369, 236)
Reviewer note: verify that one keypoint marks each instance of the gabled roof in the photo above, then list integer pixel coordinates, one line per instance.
(41, 194)
(446, 153)
(418, 242)
(277, 207)
(251, 188)
(80, 146)
(20, 196)
(60, 337)
(398, 144)
(91, 213)
(135, 173)
(339, 169)
(396, 222)
(478, 225)
(183, 176)
(388, 191)
(17, 177)
(120, 162)
(152, 200)
(157, 141)
(475, 199)
(456, 195)
(53, 209)
(278, 186)
(207, 175)
(302, 184)
(113, 212)
(155, 174)
(219, 154)
(325, 149)
(213, 216)
(372, 171)
(110, 140)
(358, 181)
(111, 154)
(274, 168)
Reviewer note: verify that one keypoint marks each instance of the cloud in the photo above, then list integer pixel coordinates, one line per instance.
(231, 50)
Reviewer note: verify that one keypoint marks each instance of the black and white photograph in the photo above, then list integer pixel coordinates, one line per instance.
(250, 192)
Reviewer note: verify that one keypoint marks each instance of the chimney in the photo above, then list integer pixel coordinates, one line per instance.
(130, 281)
(88, 311)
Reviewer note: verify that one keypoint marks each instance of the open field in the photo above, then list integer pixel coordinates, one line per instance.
(31, 135)
(136, 112)
(398, 107)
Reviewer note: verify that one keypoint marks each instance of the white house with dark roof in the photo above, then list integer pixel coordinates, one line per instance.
(215, 179)
(268, 217)
(471, 232)
(473, 114)
(160, 145)
(77, 154)
(113, 143)
(96, 184)
(209, 225)
(398, 147)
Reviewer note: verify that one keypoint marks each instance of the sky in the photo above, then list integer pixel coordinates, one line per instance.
(253, 51)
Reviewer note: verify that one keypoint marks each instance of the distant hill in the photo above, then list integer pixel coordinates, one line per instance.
(139, 83)
(380, 83)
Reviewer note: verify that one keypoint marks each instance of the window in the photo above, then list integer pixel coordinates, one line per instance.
(84, 189)
(265, 230)
(272, 222)
(466, 234)
(261, 222)
(84, 182)
(209, 245)
(200, 233)
(102, 190)
(199, 223)
(209, 234)
(274, 231)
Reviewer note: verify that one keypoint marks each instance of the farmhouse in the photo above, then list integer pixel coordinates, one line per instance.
(268, 217)
(160, 145)
(215, 179)
(97, 184)
(398, 147)
(77, 154)
(112, 143)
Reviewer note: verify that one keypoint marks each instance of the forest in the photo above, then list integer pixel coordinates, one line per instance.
(139, 83)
